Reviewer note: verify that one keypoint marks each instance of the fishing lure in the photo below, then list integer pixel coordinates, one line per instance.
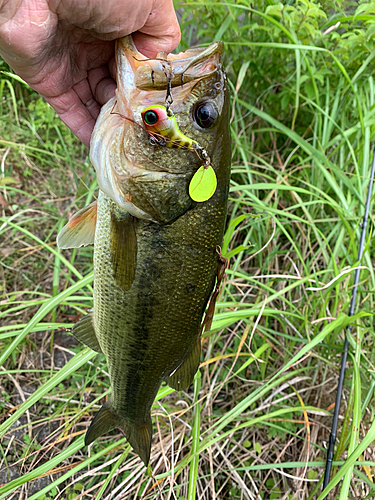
(161, 124)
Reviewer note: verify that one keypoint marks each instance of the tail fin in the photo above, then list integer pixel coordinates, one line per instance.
(138, 436)
(105, 420)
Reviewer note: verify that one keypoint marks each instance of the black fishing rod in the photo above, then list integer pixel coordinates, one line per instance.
(335, 420)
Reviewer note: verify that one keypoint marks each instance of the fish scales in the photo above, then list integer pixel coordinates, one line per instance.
(155, 249)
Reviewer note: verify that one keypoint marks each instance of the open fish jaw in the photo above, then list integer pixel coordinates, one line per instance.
(183, 67)
(147, 181)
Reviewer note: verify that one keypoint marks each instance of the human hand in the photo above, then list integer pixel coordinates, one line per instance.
(64, 49)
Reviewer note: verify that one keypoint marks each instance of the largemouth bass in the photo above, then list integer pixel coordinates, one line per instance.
(155, 248)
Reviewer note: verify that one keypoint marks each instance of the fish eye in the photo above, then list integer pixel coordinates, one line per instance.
(205, 114)
(150, 117)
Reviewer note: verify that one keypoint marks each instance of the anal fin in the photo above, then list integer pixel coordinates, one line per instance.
(184, 375)
(84, 331)
(80, 230)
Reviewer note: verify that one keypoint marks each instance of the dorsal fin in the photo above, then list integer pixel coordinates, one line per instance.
(80, 230)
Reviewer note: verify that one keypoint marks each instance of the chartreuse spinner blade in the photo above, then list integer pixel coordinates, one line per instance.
(162, 125)
(203, 184)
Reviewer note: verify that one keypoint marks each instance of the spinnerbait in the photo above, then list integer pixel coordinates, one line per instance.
(162, 126)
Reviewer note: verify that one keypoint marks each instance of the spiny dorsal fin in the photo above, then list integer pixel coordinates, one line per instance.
(184, 375)
(80, 230)
(84, 331)
(123, 249)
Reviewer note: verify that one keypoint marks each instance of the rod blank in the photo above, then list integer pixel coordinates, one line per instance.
(340, 384)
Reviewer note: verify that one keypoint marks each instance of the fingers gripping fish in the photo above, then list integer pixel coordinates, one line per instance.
(155, 241)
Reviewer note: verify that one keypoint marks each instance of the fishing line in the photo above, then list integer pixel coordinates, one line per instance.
(340, 384)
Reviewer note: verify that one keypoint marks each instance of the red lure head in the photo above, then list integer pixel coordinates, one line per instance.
(156, 119)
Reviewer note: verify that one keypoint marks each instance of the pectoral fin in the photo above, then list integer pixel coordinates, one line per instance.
(184, 375)
(123, 249)
(138, 435)
(80, 230)
(84, 331)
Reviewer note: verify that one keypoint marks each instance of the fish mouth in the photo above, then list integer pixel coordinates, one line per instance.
(150, 184)
(139, 72)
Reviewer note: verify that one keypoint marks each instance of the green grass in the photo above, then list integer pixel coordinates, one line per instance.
(256, 422)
